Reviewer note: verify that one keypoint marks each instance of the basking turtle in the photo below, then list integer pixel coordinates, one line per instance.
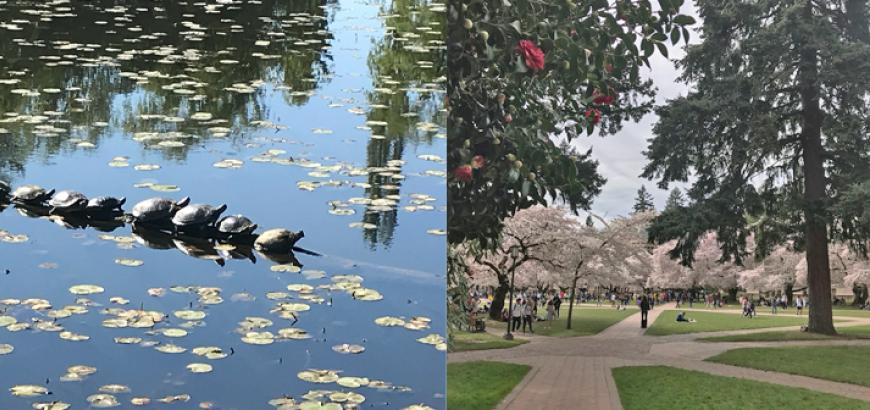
(155, 210)
(4, 189)
(196, 216)
(105, 204)
(31, 194)
(67, 202)
(236, 225)
(277, 241)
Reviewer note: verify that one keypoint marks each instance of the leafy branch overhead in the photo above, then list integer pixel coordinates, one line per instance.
(525, 74)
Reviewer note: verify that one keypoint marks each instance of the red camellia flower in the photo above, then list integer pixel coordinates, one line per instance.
(594, 115)
(463, 173)
(532, 55)
(478, 162)
(603, 100)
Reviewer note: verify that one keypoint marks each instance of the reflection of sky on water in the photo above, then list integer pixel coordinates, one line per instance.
(407, 270)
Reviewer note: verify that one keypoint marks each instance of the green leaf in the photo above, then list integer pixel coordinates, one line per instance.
(684, 20)
(663, 49)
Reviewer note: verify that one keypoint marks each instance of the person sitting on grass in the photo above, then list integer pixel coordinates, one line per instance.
(681, 317)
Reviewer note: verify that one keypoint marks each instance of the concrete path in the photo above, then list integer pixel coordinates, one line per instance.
(575, 372)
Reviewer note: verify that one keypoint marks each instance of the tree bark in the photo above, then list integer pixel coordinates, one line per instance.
(571, 302)
(818, 265)
(789, 293)
(498, 300)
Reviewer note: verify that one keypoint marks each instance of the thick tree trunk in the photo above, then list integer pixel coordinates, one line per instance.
(818, 265)
(498, 300)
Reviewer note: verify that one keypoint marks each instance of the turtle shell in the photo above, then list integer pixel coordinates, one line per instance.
(68, 199)
(107, 203)
(153, 209)
(29, 193)
(277, 240)
(197, 214)
(236, 224)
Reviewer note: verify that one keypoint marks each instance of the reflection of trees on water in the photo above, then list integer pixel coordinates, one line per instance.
(394, 63)
(93, 89)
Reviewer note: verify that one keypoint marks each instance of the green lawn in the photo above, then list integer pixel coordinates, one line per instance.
(847, 364)
(585, 321)
(667, 388)
(850, 311)
(465, 341)
(481, 385)
(666, 323)
(852, 332)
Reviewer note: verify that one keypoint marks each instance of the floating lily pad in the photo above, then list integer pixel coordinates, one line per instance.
(199, 368)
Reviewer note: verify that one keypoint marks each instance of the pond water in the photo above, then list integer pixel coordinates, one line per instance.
(325, 117)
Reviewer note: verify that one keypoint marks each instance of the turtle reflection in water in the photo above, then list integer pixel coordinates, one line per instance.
(4, 190)
(198, 248)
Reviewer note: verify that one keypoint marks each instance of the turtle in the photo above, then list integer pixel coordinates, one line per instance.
(31, 194)
(67, 202)
(155, 210)
(4, 189)
(197, 216)
(236, 225)
(104, 204)
(277, 240)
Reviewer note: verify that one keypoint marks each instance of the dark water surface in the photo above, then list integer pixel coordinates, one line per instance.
(327, 106)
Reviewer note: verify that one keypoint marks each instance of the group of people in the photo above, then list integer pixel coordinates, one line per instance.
(525, 310)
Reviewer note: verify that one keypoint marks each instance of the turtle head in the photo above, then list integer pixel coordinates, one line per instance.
(295, 237)
(183, 202)
(48, 194)
(122, 200)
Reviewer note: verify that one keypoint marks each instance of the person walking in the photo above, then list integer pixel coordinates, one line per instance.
(551, 310)
(773, 302)
(516, 315)
(799, 305)
(557, 302)
(644, 311)
(529, 315)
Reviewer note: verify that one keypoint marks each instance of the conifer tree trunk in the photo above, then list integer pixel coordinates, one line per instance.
(818, 265)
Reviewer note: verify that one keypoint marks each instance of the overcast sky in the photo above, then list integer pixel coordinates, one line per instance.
(620, 156)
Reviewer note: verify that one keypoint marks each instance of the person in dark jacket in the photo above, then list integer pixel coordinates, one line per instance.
(556, 303)
(644, 308)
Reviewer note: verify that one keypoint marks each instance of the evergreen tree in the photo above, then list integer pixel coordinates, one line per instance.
(643, 201)
(777, 128)
(675, 200)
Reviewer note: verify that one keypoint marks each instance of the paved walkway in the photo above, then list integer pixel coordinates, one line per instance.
(576, 371)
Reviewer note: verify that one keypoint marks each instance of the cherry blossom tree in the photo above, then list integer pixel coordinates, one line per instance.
(528, 240)
(615, 253)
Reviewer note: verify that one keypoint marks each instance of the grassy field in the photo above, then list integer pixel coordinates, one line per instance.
(852, 332)
(465, 341)
(846, 364)
(481, 385)
(667, 388)
(666, 323)
(586, 321)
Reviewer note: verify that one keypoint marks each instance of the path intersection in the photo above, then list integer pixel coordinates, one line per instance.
(577, 370)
